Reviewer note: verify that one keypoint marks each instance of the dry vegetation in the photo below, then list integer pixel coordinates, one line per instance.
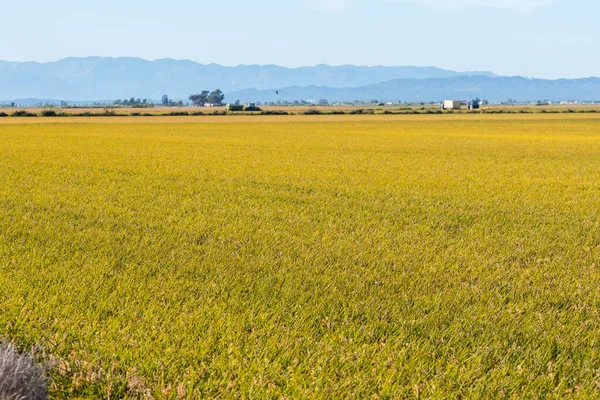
(310, 257)
(21, 378)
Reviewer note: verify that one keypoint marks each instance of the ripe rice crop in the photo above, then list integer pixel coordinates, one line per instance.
(305, 258)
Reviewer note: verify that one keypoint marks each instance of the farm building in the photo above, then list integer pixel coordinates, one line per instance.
(451, 105)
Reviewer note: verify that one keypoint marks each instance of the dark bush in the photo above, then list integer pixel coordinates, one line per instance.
(361, 111)
(106, 113)
(274, 112)
(48, 113)
(22, 113)
(3, 114)
(178, 113)
(312, 111)
(135, 114)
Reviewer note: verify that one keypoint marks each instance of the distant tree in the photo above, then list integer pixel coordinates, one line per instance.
(199, 100)
(237, 102)
(133, 102)
(206, 95)
(216, 98)
(165, 100)
(323, 102)
(179, 103)
(194, 99)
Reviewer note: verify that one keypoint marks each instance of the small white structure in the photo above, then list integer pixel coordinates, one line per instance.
(451, 105)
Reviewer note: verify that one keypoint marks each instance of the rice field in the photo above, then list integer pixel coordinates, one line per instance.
(304, 257)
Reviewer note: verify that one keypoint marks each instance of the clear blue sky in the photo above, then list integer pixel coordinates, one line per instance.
(539, 38)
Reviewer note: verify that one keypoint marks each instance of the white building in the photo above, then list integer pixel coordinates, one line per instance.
(451, 104)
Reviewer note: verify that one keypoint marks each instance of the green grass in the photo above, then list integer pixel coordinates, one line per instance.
(441, 258)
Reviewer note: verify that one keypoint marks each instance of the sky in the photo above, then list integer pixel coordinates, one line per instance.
(536, 38)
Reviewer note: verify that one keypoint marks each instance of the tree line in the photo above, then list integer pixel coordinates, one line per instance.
(205, 97)
(133, 102)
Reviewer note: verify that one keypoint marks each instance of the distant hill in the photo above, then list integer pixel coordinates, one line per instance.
(494, 89)
(100, 78)
(95, 78)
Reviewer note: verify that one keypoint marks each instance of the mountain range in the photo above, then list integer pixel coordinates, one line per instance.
(493, 89)
(105, 78)
(95, 78)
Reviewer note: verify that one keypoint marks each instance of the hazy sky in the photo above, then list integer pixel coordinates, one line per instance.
(540, 38)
